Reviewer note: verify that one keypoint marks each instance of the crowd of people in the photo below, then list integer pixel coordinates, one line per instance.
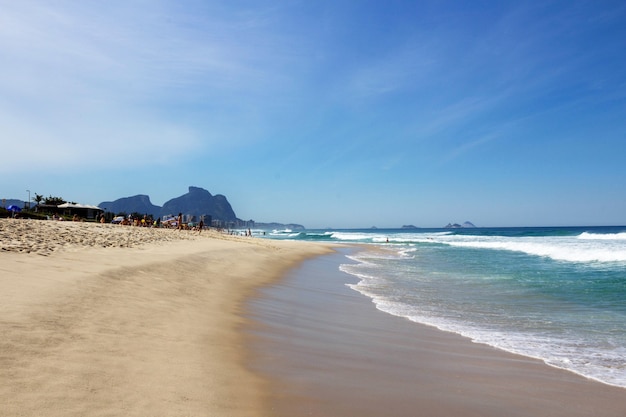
(149, 221)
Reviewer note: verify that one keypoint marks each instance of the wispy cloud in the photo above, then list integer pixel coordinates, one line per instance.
(121, 74)
(468, 146)
(402, 69)
(462, 85)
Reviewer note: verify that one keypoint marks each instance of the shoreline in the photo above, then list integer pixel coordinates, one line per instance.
(332, 353)
(152, 328)
(177, 323)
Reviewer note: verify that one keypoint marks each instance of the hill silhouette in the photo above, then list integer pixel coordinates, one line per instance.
(197, 202)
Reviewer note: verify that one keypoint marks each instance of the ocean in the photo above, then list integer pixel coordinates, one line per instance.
(557, 294)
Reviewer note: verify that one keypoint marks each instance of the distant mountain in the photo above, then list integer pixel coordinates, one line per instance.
(466, 225)
(14, 202)
(136, 204)
(197, 202)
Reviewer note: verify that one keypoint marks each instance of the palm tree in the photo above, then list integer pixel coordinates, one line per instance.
(38, 198)
(53, 201)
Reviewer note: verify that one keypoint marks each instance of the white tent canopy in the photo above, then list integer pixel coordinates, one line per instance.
(78, 206)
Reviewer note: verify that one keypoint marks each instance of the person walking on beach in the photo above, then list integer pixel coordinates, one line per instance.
(200, 226)
(180, 221)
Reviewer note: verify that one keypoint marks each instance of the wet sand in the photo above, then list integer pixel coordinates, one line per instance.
(330, 352)
(104, 320)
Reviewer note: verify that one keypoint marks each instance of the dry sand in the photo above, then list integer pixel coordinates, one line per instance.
(125, 321)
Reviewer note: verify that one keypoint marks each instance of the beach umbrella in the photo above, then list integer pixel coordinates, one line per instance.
(14, 208)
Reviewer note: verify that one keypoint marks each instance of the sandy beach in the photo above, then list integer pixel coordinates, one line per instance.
(106, 320)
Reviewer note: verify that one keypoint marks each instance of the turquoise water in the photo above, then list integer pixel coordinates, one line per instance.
(556, 294)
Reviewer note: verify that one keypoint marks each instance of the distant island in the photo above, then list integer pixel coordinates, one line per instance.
(409, 226)
(466, 225)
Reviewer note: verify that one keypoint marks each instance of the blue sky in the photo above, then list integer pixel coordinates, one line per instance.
(326, 113)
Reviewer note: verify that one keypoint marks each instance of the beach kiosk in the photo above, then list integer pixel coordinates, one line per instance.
(81, 210)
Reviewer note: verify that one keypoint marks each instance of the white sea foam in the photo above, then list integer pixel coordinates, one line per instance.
(585, 248)
(351, 236)
(284, 234)
(380, 237)
(602, 236)
(394, 291)
(606, 366)
(454, 281)
(570, 249)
